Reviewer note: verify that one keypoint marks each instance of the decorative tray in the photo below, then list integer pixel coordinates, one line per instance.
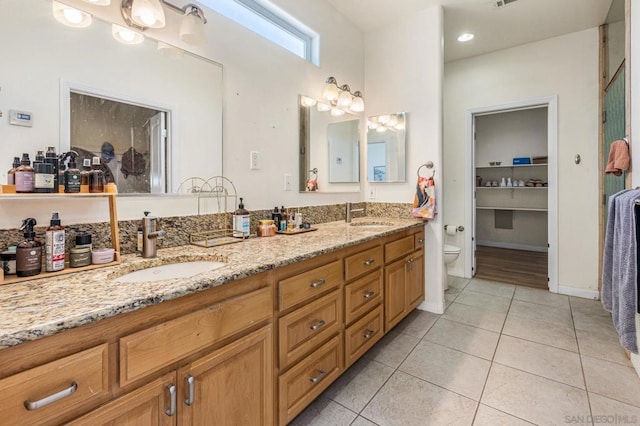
(296, 231)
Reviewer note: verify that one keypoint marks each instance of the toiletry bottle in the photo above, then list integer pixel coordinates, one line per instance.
(283, 219)
(139, 241)
(11, 174)
(85, 173)
(276, 216)
(24, 175)
(39, 158)
(72, 178)
(298, 219)
(29, 251)
(62, 169)
(241, 222)
(43, 179)
(52, 158)
(96, 176)
(54, 248)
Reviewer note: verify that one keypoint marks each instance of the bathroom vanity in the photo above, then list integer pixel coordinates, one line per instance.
(253, 342)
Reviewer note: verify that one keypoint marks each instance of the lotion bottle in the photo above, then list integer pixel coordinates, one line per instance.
(54, 249)
(29, 251)
(96, 176)
(11, 174)
(241, 222)
(72, 178)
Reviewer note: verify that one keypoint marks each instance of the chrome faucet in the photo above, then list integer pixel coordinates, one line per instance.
(349, 210)
(150, 235)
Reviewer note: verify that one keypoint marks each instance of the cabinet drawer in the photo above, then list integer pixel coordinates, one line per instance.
(362, 262)
(362, 295)
(148, 350)
(362, 335)
(309, 284)
(53, 391)
(306, 328)
(304, 382)
(418, 242)
(398, 248)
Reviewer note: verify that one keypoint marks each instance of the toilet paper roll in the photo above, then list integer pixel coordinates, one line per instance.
(451, 229)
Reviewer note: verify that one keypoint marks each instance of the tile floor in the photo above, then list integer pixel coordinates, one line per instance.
(499, 355)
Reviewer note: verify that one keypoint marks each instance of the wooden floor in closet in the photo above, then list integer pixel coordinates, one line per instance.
(525, 268)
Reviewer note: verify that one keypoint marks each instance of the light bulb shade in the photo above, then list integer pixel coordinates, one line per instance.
(357, 105)
(330, 92)
(372, 125)
(345, 99)
(322, 107)
(70, 16)
(148, 13)
(192, 29)
(99, 2)
(337, 112)
(125, 35)
(307, 101)
(384, 119)
(393, 120)
(381, 129)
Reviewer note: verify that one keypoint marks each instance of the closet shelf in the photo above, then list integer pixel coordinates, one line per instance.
(526, 209)
(512, 187)
(512, 166)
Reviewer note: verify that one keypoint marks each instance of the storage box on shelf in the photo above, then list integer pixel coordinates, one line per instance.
(8, 192)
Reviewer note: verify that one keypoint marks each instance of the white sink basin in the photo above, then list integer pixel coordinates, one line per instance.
(170, 271)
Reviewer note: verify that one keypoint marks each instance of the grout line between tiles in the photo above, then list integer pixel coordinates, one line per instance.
(584, 376)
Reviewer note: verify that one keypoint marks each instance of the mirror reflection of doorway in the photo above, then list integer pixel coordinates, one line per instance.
(129, 139)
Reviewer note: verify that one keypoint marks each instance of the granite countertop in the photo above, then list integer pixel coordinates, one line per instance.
(46, 306)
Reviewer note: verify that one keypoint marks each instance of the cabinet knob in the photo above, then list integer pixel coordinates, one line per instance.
(369, 262)
(173, 400)
(191, 389)
(369, 334)
(369, 294)
(317, 325)
(421, 240)
(319, 377)
(51, 398)
(318, 283)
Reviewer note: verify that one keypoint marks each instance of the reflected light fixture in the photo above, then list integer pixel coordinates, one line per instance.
(322, 107)
(143, 14)
(383, 123)
(336, 112)
(465, 37)
(125, 35)
(70, 16)
(99, 2)
(307, 101)
(342, 96)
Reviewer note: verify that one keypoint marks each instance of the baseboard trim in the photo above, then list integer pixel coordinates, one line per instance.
(579, 292)
(436, 308)
(513, 246)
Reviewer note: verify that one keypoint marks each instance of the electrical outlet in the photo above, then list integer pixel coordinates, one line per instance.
(287, 182)
(254, 160)
(372, 193)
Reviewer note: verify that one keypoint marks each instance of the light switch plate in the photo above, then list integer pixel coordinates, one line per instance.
(254, 160)
(20, 118)
(287, 182)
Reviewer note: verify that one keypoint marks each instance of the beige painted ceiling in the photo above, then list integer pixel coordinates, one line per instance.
(521, 22)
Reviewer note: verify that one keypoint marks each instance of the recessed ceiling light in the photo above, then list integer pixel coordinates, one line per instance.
(465, 37)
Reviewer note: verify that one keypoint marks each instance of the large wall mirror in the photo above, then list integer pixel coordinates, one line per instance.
(329, 148)
(386, 148)
(153, 110)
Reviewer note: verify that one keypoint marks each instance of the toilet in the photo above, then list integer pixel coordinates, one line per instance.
(451, 253)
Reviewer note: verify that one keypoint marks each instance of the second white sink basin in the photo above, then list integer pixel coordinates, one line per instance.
(170, 271)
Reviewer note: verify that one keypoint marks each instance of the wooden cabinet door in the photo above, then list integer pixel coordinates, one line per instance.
(415, 280)
(394, 293)
(149, 405)
(231, 386)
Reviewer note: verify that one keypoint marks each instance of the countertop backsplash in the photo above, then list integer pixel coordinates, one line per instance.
(178, 228)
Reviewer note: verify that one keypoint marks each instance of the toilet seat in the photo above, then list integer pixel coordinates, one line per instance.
(451, 249)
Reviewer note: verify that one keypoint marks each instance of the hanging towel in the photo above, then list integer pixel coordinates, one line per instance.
(424, 201)
(619, 266)
(619, 158)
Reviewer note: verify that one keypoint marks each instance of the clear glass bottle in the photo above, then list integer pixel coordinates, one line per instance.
(86, 171)
(96, 176)
(72, 178)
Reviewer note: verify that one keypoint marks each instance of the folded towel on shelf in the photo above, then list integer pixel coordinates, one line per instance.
(619, 265)
(619, 158)
(424, 200)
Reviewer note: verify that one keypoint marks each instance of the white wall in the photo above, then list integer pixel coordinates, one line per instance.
(565, 66)
(403, 64)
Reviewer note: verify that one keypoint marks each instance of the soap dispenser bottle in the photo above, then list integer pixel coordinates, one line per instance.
(72, 177)
(29, 251)
(54, 249)
(241, 221)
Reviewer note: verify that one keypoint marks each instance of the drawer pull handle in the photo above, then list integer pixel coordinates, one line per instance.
(369, 294)
(173, 401)
(51, 398)
(369, 262)
(191, 384)
(317, 325)
(369, 334)
(319, 377)
(318, 283)
(421, 240)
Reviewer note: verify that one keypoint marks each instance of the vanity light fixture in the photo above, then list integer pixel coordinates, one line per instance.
(125, 35)
(99, 2)
(465, 37)
(143, 14)
(382, 123)
(323, 107)
(342, 96)
(309, 102)
(70, 16)
(336, 112)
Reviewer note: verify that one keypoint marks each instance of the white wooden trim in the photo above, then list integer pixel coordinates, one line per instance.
(513, 246)
(551, 102)
(578, 292)
(434, 307)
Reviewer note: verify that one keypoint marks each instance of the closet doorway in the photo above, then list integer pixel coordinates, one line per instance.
(514, 217)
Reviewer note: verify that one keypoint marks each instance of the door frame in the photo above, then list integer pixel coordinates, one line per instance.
(551, 103)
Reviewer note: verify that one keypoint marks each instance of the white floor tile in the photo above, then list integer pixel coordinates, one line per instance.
(483, 318)
(487, 416)
(491, 287)
(612, 380)
(324, 412)
(392, 349)
(465, 338)
(541, 297)
(484, 301)
(537, 312)
(557, 335)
